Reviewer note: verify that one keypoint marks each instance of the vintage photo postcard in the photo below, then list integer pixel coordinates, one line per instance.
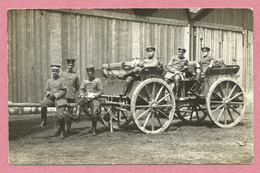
(129, 86)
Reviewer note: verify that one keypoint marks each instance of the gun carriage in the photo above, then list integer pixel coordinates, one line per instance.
(151, 104)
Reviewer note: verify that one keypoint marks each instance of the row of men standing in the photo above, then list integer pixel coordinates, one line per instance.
(62, 89)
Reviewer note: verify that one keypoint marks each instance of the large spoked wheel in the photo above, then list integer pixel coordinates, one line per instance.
(120, 116)
(191, 114)
(225, 102)
(153, 105)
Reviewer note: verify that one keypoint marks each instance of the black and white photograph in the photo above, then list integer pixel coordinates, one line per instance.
(130, 86)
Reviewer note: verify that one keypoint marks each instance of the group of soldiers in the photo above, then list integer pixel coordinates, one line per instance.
(63, 87)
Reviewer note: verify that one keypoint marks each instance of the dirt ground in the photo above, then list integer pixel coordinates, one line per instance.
(179, 144)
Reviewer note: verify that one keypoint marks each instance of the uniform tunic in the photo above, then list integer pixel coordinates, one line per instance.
(92, 87)
(204, 62)
(153, 62)
(175, 64)
(72, 83)
(58, 88)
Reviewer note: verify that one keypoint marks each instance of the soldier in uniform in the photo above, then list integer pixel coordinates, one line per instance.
(55, 91)
(72, 83)
(90, 91)
(131, 76)
(205, 62)
(176, 64)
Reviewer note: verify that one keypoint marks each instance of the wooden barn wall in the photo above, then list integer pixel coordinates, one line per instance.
(37, 38)
(232, 16)
(233, 48)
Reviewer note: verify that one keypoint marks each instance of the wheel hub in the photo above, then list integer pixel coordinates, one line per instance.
(153, 104)
(226, 101)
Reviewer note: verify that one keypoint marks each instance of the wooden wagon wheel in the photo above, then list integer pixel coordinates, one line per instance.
(149, 104)
(191, 114)
(119, 115)
(225, 102)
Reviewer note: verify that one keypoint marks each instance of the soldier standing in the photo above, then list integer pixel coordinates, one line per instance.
(72, 83)
(90, 91)
(55, 91)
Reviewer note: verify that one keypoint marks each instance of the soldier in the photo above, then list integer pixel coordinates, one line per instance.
(55, 91)
(72, 83)
(176, 64)
(90, 91)
(131, 76)
(205, 62)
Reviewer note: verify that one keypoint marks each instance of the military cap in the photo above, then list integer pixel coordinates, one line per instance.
(55, 66)
(150, 48)
(205, 48)
(181, 49)
(90, 68)
(70, 61)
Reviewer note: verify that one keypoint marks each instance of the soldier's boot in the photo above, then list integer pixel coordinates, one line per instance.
(177, 91)
(43, 117)
(127, 85)
(78, 113)
(69, 121)
(62, 128)
(94, 126)
(123, 77)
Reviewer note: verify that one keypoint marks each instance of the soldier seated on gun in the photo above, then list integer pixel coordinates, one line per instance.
(55, 91)
(205, 62)
(90, 91)
(132, 75)
(174, 70)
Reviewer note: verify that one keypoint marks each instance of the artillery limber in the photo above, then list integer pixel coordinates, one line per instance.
(151, 104)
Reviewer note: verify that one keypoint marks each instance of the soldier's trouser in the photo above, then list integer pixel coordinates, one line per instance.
(69, 114)
(93, 105)
(61, 117)
(46, 103)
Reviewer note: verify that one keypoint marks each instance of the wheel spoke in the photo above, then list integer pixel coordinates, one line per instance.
(220, 102)
(197, 114)
(147, 118)
(227, 88)
(143, 98)
(158, 94)
(236, 103)
(225, 118)
(217, 108)
(221, 91)
(235, 110)
(158, 119)
(202, 109)
(152, 121)
(153, 96)
(230, 114)
(163, 106)
(143, 114)
(217, 95)
(220, 113)
(147, 93)
(236, 96)
(191, 115)
(163, 113)
(142, 106)
(231, 92)
(163, 98)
